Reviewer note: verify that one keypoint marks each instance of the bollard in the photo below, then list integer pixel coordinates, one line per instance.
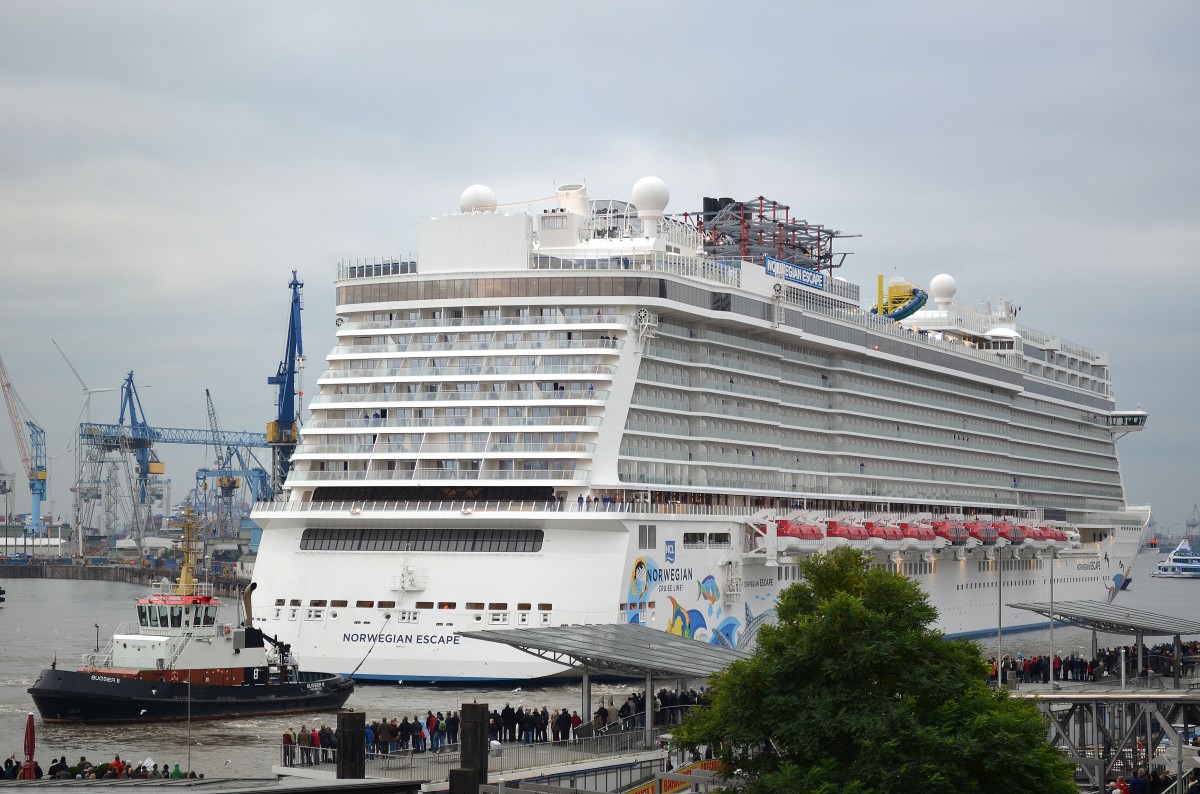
(351, 745)
(473, 755)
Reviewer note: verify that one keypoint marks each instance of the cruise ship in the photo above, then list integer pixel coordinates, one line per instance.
(576, 411)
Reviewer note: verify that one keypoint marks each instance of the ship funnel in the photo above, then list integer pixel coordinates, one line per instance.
(573, 198)
(246, 603)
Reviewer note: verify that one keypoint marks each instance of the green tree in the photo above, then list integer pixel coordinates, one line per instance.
(857, 693)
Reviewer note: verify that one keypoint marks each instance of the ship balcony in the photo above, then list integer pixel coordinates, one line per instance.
(405, 424)
(441, 324)
(490, 346)
(408, 374)
(306, 451)
(383, 400)
(409, 475)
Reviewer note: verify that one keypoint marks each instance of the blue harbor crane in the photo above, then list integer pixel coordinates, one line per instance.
(138, 438)
(32, 449)
(283, 432)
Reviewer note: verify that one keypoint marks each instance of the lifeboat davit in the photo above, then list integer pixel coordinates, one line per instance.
(798, 537)
(954, 533)
(919, 537)
(984, 534)
(839, 534)
(884, 537)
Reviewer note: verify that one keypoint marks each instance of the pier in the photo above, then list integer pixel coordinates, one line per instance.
(115, 572)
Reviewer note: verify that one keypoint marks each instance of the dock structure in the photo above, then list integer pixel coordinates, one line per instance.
(1119, 724)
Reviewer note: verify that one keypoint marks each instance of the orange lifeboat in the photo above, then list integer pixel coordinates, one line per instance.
(884, 537)
(798, 537)
(839, 534)
(1009, 532)
(984, 534)
(954, 533)
(1035, 538)
(919, 537)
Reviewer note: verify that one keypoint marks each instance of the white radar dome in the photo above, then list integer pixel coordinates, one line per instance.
(477, 198)
(943, 287)
(650, 195)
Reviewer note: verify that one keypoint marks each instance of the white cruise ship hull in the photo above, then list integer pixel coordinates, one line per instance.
(597, 412)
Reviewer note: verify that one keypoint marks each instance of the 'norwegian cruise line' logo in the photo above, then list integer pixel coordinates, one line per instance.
(670, 551)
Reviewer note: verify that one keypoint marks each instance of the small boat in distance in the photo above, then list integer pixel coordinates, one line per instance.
(1183, 563)
(181, 661)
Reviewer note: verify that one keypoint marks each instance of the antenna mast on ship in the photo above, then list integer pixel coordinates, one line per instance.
(1193, 523)
(186, 583)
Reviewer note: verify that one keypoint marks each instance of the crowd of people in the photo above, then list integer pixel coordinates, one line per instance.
(316, 745)
(116, 769)
(1156, 660)
(439, 732)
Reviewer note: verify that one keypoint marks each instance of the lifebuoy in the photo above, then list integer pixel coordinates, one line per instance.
(174, 675)
(228, 629)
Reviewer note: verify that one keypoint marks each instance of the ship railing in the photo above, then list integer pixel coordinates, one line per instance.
(614, 740)
(603, 504)
(104, 657)
(602, 320)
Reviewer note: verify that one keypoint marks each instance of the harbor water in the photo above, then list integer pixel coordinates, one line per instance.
(42, 618)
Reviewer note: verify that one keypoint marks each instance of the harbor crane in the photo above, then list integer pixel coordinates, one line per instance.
(32, 449)
(283, 433)
(229, 480)
(137, 438)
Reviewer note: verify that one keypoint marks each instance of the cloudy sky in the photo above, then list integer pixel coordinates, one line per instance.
(164, 167)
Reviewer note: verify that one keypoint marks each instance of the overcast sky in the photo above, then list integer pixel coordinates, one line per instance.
(164, 166)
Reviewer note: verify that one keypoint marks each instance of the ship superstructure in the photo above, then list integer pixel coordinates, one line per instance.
(598, 412)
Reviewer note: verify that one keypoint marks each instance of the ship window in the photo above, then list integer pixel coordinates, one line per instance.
(317, 602)
(424, 605)
(545, 618)
(447, 605)
(386, 605)
(210, 616)
(498, 606)
(364, 604)
(497, 617)
(646, 536)
(545, 607)
(278, 602)
(523, 619)
(142, 619)
(486, 541)
(337, 603)
(694, 540)
(295, 602)
(164, 619)
(524, 607)
(474, 605)
(718, 539)
(153, 613)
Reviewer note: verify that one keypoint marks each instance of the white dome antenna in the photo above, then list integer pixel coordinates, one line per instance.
(943, 288)
(650, 195)
(477, 198)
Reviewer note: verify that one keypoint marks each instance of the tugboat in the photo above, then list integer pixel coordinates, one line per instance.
(181, 661)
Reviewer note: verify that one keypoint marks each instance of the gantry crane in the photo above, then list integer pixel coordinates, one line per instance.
(32, 449)
(282, 433)
(138, 438)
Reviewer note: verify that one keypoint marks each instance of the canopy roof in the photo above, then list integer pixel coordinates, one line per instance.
(1112, 618)
(625, 649)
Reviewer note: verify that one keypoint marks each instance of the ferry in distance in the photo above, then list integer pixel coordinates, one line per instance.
(597, 411)
(1183, 563)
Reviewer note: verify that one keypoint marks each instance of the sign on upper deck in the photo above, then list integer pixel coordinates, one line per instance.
(789, 272)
